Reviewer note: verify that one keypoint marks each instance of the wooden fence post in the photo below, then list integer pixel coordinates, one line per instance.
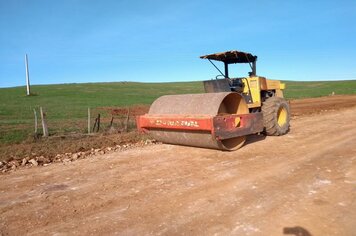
(44, 123)
(111, 121)
(97, 124)
(127, 119)
(88, 120)
(98, 127)
(36, 125)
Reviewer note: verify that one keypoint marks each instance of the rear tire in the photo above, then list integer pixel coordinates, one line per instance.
(276, 116)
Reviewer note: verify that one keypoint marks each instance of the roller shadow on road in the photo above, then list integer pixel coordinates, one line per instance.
(254, 138)
(297, 230)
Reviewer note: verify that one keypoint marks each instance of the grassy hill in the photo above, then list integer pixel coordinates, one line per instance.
(66, 104)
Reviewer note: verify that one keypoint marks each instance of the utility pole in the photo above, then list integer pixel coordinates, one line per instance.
(27, 76)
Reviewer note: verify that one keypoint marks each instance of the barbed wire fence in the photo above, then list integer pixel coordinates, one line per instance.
(87, 121)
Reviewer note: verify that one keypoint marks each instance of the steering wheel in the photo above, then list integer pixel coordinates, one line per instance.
(217, 77)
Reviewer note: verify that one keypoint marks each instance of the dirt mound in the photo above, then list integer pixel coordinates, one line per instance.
(54, 149)
(316, 105)
(123, 111)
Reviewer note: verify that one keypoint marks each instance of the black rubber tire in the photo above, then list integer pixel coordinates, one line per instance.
(270, 111)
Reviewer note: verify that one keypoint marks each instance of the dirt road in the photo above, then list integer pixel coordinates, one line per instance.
(306, 178)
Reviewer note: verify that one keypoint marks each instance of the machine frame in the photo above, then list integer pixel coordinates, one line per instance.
(255, 89)
(221, 118)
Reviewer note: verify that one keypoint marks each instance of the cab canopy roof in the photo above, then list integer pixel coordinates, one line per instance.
(230, 57)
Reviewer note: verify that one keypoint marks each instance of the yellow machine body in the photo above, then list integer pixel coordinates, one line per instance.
(256, 84)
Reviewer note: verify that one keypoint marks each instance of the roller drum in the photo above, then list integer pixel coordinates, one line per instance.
(212, 104)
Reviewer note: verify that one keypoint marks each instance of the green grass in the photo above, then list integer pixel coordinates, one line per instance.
(72, 100)
(318, 89)
(66, 104)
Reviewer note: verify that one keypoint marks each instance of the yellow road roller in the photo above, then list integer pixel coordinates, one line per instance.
(230, 109)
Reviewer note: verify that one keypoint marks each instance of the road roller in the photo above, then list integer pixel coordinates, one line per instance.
(221, 118)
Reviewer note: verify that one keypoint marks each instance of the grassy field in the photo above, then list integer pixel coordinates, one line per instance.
(296, 90)
(66, 104)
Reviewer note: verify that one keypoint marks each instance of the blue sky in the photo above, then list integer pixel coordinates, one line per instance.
(74, 41)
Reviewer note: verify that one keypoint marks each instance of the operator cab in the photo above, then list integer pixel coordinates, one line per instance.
(223, 82)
